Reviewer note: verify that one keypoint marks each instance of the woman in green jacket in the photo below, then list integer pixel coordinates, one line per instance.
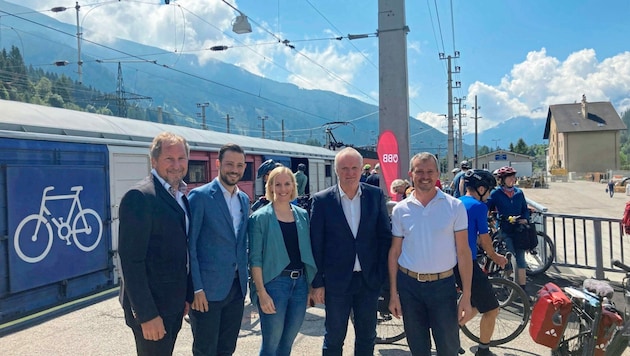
(281, 263)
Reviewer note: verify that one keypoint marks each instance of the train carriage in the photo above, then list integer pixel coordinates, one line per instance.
(62, 176)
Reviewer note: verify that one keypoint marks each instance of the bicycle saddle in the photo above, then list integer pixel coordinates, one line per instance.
(600, 288)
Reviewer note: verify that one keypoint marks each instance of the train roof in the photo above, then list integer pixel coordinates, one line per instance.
(18, 119)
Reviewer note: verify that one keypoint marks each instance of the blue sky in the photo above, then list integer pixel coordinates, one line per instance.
(518, 57)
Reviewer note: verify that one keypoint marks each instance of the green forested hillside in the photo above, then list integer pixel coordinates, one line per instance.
(26, 84)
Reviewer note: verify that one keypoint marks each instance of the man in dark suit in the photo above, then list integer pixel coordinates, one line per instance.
(218, 256)
(350, 235)
(156, 288)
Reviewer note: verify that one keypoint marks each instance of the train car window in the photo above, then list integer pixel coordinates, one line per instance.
(197, 172)
(248, 175)
(328, 170)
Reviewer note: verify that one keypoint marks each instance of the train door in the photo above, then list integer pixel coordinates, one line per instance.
(317, 175)
(128, 165)
(295, 162)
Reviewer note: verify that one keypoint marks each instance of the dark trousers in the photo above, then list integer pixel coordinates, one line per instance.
(429, 308)
(215, 331)
(363, 302)
(164, 346)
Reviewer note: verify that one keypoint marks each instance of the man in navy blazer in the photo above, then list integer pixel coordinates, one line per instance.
(218, 256)
(350, 236)
(153, 228)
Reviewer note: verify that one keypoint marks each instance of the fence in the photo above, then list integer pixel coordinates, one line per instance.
(586, 241)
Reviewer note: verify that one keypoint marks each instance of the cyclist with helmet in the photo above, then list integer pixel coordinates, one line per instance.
(457, 186)
(479, 183)
(263, 172)
(509, 201)
(366, 172)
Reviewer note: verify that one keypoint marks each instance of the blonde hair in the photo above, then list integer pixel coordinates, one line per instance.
(269, 192)
(397, 183)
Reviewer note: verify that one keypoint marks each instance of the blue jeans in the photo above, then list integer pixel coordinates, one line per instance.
(215, 331)
(363, 301)
(429, 305)
(280, 329)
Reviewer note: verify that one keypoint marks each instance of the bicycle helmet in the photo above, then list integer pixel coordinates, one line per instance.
(465, 165)
(479, 178)
(505, 171)
(476, 178)
(266, 167)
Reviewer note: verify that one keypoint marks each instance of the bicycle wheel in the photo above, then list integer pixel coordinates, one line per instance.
(617, 345)
(389, 329)
(32, 247)
(574, 337)
(87, 230)
(540, 259)
(514, 311)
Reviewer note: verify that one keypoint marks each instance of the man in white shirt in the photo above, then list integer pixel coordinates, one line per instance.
(430, 236)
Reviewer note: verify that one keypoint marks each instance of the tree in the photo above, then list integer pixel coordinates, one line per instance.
(521, 147)
(313, 142)
(483, 150)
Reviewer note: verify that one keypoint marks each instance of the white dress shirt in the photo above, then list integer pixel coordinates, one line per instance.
(352, 211)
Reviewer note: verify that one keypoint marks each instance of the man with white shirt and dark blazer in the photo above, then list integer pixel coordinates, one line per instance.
(350, 236)
(156, 287)
(218, 256)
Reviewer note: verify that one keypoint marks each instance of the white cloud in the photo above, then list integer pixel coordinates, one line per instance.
(438, 121)
(541, 80)
(338, 70)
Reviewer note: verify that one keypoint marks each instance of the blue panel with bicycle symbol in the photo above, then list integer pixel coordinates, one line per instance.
(56, 223)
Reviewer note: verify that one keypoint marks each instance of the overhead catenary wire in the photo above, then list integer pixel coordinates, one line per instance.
(129, 55)
(331, 73)
(287, 43)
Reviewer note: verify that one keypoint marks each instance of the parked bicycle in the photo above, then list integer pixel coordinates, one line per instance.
(538, 259)
(594, 326)
(514, 312)
(514, 306)
(86, 228)
(389, 329)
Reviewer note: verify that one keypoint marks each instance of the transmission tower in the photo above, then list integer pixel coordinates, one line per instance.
(122, 97)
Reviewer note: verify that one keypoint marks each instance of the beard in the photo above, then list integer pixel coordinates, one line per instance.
(230, 179)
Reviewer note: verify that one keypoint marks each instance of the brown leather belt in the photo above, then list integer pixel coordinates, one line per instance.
(426, 277)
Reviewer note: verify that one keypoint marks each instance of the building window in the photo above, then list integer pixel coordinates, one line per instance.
(197, 172)
(248, 175)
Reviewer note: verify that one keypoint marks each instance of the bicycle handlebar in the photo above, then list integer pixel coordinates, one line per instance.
(621, 265)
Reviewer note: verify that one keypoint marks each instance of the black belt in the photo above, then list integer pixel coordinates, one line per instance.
(293, 273)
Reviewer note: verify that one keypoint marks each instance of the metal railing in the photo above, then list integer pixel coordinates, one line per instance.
(586, 242)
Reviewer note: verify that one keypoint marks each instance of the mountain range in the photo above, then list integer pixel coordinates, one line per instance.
(257, 106)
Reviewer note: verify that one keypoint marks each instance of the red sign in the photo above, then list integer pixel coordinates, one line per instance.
(387, 150)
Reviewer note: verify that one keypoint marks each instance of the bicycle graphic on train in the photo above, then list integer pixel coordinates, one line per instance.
(84, 225)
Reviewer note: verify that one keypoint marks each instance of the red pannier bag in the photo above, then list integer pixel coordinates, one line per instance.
(549, 316)
(611, 321)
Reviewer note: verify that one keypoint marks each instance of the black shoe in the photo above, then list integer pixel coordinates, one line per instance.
(461, 351)
(483, 352)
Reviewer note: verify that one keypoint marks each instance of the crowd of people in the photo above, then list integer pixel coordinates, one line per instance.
(197, 254)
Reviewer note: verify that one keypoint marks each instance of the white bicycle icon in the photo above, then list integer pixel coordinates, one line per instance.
(86, 229)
